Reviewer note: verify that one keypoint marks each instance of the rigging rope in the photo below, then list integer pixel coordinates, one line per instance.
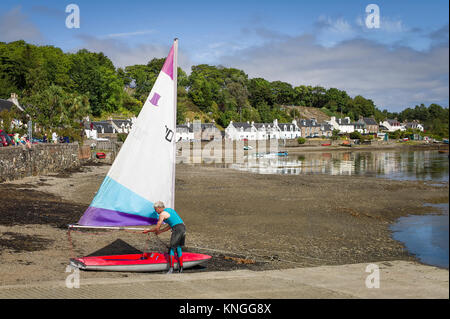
(107, 232)
(147, 244)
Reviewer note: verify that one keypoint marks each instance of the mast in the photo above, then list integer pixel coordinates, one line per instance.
(175, 79)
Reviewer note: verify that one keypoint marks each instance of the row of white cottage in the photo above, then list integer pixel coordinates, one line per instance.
(311, 128)
(260, 131)
(275, 130)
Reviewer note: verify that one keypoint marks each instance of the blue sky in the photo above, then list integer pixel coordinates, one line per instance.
(401, 64)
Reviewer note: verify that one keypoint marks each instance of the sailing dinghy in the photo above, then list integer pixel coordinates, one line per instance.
(142, 173)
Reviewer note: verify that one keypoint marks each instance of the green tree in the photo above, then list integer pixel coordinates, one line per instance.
(260, 92)
(283, 93)
(55, 108)
(94, 75)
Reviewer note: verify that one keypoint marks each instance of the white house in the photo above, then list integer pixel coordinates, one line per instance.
(392, 125)
(343, 125)
(415, 125)
(262, 131)
(241, 130)
(289, 130)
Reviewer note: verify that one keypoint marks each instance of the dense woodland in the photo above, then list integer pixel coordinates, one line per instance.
(59, 89)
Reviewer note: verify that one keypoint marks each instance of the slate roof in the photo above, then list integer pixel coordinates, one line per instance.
(6, 105)
(308, 123)
(243, 125)
(288, 126)
(184, 128)
(108, 128)
(343, 121)
(370, 121)
(124, 122)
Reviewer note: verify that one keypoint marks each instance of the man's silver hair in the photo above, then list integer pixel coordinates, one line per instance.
(159, 204)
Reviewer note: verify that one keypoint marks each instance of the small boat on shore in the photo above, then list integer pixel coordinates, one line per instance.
(136, 262)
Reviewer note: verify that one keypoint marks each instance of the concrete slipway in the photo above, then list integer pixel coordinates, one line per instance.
(398, 279)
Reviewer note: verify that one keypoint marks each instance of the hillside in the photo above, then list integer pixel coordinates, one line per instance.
(305, 112)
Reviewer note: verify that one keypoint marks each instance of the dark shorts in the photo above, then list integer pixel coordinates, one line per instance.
(178, 236)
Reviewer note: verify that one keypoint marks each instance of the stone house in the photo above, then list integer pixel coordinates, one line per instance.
(370, 125)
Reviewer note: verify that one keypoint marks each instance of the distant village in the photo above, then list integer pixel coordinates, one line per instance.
(306, 128)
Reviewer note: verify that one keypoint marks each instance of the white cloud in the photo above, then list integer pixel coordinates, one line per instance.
(394, 77)
(122, 54)
(14, 25)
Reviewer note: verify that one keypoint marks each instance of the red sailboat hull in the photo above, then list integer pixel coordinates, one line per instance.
(137, 262)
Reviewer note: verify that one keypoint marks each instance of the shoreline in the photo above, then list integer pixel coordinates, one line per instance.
(382, 147)
(226, 218)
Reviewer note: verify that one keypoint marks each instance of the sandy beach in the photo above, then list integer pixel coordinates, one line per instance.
(245, 221)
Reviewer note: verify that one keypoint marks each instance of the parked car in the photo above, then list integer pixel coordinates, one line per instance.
(5, 139)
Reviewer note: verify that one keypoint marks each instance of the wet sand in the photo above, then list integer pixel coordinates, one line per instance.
(244, 220)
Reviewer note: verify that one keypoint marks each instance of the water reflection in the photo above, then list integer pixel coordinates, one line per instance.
(409, 165)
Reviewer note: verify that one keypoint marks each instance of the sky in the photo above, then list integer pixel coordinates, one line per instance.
(401, 63)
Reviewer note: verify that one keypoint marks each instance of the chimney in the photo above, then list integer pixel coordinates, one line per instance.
(14, 99)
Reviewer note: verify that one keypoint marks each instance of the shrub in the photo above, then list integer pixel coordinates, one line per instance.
(301, 140)
(355, 135)
(121, 137)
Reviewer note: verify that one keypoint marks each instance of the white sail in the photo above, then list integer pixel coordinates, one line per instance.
(144, 170)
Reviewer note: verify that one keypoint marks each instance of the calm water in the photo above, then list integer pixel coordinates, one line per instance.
(411, 165)
(426, 236)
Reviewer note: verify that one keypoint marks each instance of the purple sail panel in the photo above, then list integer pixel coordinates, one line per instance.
(94, 216)
(168, 65)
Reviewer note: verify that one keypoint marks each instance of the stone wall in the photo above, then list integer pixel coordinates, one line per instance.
(110, 148)
(17, 162)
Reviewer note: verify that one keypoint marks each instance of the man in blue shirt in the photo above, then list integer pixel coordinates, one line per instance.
(171, 218)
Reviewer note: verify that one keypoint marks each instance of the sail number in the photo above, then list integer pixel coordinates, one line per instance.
(169, 134)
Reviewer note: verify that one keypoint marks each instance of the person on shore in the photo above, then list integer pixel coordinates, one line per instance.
(54, 138)
(16, 139)
(176, 224)
(45, 138)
